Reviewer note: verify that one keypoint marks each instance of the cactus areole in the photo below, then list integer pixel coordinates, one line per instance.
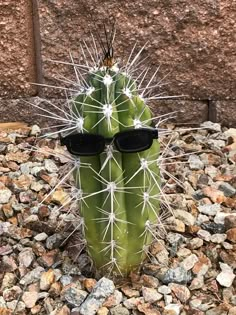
(117, 174)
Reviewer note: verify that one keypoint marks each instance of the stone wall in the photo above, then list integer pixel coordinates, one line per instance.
(194, 42)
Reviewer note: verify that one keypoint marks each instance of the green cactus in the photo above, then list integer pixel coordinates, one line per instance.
(119, 192)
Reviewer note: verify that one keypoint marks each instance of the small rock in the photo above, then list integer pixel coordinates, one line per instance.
(151, 295)
(232, 311)
(184, 216)
(206, 236)
(73, 294)
(227, 189)
(226, 276)
(32, 276)
(133, 302)
(101, 291)
(210, 209)
(17, 306)
(197, 283)
(183, 252)
(189, 262)
(35, 130)
(41, 237)
(196, 242)
(168, 299)
(26, 257)
(148, 309)
(114, 299)
(30, 298)
(172, 309)
(50, 166)
(195, 163)
(149, 281)
(65, 280)
(36, 186)
(218, 238)
(181, 292)
(104, 311)
(12, 293)
(214, 228)
(129, 292)
(195, 303)
(55, 240)
(8, 280)
(64, 311)
(211, 126)
(230, 221)
(221, 216)
(164, 289)
(5, 194)
(89, 284)
(119, 310)
(214, 194)
(231, 235)
(46, 279)
(176, 275)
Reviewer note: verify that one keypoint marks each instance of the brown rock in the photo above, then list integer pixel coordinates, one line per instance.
(181, 292)
(147, 309)
(49, 258)
(229, 257)
(230, 222)
(231, 235)
(89, 284)
(46, 279)
(19, 157)
(214, 194)
(22, 182)
(55, 289)
(36, 309)
(7, 210)
(29, 298)
(5, 311)
(129, 292)
(64, 311)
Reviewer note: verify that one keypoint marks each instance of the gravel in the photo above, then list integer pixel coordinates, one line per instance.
(191, 269)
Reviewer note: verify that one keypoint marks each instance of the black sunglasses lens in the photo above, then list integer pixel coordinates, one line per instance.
(134, 141)
(85, 144)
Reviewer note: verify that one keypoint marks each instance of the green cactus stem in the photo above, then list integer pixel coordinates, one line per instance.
(120, 192)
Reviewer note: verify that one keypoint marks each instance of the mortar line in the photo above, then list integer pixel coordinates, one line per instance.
(37, 46)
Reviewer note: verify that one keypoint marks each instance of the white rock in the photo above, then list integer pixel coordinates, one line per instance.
(205, 235)
(164, 289)
(226, 276)
(30, 298)
(184, 216)
(35, 130)
(218, 238)
(5, 194)
(26, 257)
(211, 126)
(195, 163)
(220, 217)
(231, 132)
(210, 209)
(168, 299)
(174, 308)
(189, 262)
(50, 166)
(41, 237)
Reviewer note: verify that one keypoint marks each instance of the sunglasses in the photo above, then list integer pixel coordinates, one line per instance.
(130, 141)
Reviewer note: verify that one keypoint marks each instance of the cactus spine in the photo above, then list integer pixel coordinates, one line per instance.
(119, 192)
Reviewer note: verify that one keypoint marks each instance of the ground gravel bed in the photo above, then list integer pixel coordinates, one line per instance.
(190, 270)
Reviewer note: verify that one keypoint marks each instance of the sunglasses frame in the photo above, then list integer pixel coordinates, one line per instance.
(153, 134)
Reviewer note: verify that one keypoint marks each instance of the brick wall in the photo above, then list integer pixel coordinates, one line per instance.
(193, 41)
